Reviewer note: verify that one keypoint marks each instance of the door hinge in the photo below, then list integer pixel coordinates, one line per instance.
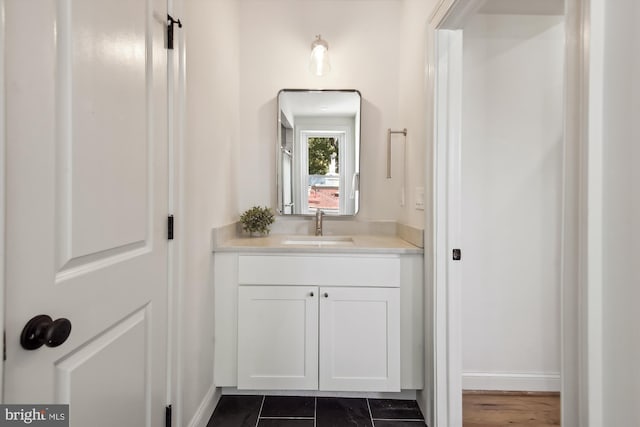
(457, 254)
(170, 23)
(170, 227)
(167, 416)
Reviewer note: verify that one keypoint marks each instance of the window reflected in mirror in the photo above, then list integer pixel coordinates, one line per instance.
(324, 176)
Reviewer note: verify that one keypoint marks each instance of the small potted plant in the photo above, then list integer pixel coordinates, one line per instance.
(257, 220)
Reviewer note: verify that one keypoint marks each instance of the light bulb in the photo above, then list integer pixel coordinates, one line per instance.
(319, 64)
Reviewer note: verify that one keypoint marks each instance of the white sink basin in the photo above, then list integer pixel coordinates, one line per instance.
(318, 241)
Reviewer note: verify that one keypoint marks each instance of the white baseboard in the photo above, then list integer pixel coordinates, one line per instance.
(403, 394)
(205, 410)
(511, 381)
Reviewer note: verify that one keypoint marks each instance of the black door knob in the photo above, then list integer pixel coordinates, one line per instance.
(42, 330)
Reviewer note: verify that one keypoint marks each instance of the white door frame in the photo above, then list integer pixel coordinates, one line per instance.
(444, 55)
(581, 342)
(447, 234)
(445, 83)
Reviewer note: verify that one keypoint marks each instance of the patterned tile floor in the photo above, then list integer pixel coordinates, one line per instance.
(290, 411)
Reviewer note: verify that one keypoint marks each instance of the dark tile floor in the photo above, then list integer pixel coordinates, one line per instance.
(289, 411)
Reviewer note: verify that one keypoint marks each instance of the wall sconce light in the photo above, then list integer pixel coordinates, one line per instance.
(319, 64)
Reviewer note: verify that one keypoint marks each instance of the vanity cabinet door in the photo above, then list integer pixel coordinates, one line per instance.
(278, 337)
(359, 339)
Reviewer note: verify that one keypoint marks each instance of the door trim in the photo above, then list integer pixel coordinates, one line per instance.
(579, 400)
(591, 232)
(448, 333)
(445, 75)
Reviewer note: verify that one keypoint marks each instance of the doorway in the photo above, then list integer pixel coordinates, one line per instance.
(499, 138)
(511, 207)
(511, 167)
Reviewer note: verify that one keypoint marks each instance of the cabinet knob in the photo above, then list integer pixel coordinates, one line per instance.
(311, 294)
(326, 295)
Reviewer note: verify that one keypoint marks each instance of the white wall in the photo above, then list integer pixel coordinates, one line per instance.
(413, 111)
(621, 215)
(275, 40)
(512, 180)
(210, 188)
(413, 107)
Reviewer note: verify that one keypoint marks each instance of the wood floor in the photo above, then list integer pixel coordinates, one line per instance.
(490, 409)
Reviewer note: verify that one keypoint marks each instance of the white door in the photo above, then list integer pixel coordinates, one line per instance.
(360, 339)
(87, 205)
(278, 337)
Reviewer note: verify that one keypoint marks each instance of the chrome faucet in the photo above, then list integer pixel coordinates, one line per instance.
(319, 215)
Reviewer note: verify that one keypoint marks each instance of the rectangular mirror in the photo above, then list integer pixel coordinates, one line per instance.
(318, 152)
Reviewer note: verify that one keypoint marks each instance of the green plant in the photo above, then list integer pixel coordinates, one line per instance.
(257, 220)
(320, 151)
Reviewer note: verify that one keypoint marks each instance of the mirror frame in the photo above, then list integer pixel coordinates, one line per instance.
(279, 196)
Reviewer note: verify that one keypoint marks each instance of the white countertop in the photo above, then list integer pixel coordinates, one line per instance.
(360, 244)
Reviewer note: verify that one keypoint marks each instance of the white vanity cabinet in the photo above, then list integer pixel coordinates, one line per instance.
(347, 322)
